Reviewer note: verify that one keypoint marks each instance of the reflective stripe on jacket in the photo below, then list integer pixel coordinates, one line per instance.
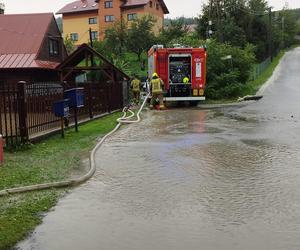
(156, 85)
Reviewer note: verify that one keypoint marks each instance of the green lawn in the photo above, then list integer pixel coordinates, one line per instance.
(51, 160)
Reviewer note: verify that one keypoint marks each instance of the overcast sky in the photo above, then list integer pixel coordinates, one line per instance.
(177, 7)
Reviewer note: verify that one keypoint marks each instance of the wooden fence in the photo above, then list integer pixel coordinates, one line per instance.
(9, 113)
(26, 108)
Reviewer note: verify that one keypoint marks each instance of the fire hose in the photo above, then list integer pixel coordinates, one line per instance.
(77, 181)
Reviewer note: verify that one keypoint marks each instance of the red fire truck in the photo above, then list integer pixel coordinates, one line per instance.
(173, 65)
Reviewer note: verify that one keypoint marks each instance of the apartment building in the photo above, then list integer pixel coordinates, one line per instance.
(78, 18)
(98, 15)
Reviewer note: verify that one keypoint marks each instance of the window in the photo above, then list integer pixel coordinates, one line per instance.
(132, 16)
(157, 6)
(108, 4)
(53, 47)
(151, 4)
(74, 36)
(94, 35)
(110, 18)
(93, 20)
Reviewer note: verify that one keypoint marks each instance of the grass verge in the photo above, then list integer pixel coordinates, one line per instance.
(51, 160)
(252, 87)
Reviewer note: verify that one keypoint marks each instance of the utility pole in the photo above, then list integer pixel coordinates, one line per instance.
(270, 37)
(91, 38)
(220, 31)
(92, 45)
(210, 32)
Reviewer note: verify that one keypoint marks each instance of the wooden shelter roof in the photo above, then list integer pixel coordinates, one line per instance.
(72, 62)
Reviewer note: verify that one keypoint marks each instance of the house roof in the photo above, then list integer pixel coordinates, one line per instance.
(10, 61)
(79, 6)
(135, 3)
(21, 39)
(191, 27)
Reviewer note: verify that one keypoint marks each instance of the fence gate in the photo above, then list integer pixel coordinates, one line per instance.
(26, 110)
(39, 100)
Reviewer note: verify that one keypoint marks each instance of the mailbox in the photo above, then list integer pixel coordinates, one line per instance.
(75, 96)
(61, 108)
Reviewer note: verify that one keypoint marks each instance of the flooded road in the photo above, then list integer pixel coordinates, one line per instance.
(192, 179)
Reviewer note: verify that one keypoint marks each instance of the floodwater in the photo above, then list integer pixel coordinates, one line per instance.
(192, 179)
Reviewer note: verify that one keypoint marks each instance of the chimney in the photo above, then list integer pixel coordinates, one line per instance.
(84, 3)
(2, 7)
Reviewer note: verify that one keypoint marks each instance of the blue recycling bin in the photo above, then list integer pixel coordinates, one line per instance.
(61, 108)
(75, 96)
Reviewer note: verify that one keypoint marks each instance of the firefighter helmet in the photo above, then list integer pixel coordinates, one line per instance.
(155, 75)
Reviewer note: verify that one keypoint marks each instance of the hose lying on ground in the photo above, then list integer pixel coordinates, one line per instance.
(250, 98)
(77, 181)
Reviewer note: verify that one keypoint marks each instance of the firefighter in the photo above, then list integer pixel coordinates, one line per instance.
(135, 85)
(156, 88)
(186, 80)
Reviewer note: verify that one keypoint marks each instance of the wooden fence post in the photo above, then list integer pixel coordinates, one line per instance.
(22, 109)
(90, 100)
(109, 93)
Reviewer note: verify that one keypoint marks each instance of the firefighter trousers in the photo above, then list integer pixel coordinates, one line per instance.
(136, 96)
(160, 98)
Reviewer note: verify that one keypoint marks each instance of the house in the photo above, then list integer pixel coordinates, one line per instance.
(78, 18)
(31, 48)
(191, 28)
(98, 15)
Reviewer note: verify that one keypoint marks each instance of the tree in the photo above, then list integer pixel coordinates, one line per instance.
(287, 24)
(175, 28)
(2, 8)
(69, 43)
(140, 35)
(228, 21)
(116, 37)
(258, 28)
(239, 22)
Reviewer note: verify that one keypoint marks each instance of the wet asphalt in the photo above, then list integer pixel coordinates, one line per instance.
(192, 178)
